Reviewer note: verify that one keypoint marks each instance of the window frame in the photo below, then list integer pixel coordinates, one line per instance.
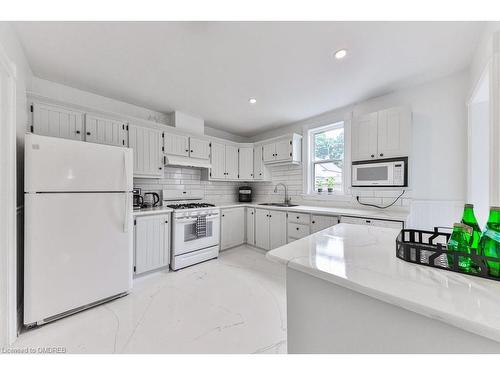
(311, 163)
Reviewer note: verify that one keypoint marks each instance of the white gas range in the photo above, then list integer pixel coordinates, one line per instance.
(195, 229)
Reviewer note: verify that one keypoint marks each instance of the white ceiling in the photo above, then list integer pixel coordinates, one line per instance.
(210, 69)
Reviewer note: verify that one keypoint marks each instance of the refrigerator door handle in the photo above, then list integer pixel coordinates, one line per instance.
(126, 215)
(125, 169)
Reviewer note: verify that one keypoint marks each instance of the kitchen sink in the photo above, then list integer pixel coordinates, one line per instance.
(278, 204)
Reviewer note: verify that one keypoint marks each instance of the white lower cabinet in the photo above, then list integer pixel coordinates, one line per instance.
(151, 242)
(270, 228)
(396, 224)
(320, 222)
(250, 237)
(232, 227)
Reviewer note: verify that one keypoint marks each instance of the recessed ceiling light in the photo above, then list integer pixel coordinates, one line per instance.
(252, 100)
(340, 54)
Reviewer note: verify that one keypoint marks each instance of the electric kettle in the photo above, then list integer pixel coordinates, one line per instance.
(151, 199)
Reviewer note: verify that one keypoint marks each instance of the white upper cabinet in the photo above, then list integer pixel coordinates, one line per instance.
(245, 163)
(380, 135)
(148, 157)
(286, 149)
(231, 162)
(259, 169)
(218, 161)
(56, 121)
(364, 137)
(105, 131)
(176, 144)
(199, 148)
(269, 152)
(224, 161)
(394, 132)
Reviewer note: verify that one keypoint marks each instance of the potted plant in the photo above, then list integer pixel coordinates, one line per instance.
(330, 182)
(319, 185)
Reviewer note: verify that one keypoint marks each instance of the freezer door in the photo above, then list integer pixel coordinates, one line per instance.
(78, 250)
(59, 165)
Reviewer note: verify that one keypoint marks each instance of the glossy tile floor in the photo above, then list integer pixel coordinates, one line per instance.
(234, 304)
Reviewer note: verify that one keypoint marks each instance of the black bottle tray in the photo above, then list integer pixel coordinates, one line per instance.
(429, 248)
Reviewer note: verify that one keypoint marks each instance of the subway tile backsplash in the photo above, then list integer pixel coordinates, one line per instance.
(219, 192)
(189, 179)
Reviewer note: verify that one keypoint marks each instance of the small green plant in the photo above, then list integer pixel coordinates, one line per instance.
(319, 185)
(330, 182)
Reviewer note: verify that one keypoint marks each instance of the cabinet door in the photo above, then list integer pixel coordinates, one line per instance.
(232, 227)
(393, 132)
(277, 229)
(262, 228)
(258, 163)
(176, 144)
(320, 222)
(199, 148)
(269, 152)
(105, 131)
(56, 121)
(151, 242)
(218, 160)
(245, 163)
(364, 137)
(148, 157)
(231, 162)
(284, 149)
(250, 212)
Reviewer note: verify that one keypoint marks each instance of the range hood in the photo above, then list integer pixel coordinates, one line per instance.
(183, 161)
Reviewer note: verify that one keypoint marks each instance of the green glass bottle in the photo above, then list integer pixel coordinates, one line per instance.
(489, 244)
(460, 242)
(469, 219)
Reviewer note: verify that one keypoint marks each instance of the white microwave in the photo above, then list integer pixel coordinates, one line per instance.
(382, 172)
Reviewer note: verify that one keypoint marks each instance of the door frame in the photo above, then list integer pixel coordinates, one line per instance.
(8, 202)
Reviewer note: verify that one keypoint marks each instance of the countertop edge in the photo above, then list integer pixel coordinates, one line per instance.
(476, 328)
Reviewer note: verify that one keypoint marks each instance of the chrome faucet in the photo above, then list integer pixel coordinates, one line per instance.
(287, 200)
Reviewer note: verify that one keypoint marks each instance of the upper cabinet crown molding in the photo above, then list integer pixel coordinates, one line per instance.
(382, 134)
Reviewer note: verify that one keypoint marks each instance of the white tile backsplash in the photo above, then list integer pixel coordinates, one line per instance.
(292, 176)
(189, 179)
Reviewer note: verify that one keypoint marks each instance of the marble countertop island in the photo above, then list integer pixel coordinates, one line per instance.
(362, 259)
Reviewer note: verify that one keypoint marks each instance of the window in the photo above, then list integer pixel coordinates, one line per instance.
(327, 159)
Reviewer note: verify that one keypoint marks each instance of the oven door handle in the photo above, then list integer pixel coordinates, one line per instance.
(193, 219)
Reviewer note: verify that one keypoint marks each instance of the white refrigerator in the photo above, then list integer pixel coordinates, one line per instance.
(78, 226)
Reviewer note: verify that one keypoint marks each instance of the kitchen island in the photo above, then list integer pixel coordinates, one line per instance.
(348, 293)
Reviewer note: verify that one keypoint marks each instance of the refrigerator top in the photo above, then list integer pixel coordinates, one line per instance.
(63, 165)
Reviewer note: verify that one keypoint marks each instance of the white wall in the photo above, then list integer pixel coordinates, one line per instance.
(438, 160)
(15, 53)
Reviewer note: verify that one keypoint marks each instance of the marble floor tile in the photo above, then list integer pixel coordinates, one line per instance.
(233, 304)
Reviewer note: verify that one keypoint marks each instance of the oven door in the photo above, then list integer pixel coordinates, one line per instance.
(373, 174)
(185, 238)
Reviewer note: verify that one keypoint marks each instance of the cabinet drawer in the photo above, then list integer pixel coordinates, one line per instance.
(372, 222)
(298, 230)
(299, 218)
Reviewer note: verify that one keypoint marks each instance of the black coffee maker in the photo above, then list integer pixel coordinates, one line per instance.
(138, 200)
(245, 194)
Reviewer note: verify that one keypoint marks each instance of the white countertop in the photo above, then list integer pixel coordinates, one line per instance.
(375, 214)
(362, 258)
(152, 210)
